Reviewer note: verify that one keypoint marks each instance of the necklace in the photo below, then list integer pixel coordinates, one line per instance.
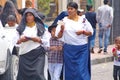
(31, 24)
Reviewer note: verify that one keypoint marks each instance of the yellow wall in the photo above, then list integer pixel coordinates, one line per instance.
(2, 2)
(19, 3)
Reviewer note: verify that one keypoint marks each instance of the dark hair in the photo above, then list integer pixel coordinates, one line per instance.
(89, 7)
(105, 1)
(51, 27)
(11, 18)
(72, 4)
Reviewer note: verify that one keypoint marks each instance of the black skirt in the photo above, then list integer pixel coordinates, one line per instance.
(31, 65)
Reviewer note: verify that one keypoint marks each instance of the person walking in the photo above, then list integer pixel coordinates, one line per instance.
(32, 42)
(10, 33)
(104, 18)
(74, 31)
(91, 17)
(55, 55)
(28, 4)
(116, 54)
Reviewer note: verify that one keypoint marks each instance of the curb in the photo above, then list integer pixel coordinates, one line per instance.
(102, 60)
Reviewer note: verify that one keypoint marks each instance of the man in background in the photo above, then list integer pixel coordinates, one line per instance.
(91, 17)
(104, 18)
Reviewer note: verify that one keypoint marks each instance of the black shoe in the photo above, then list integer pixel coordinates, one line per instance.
(105, 52)
(92, 50)
(100, 50)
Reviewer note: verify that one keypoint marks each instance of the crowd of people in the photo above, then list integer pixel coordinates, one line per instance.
(65, 45)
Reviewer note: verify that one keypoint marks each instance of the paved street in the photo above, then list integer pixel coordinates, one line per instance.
(102, 71)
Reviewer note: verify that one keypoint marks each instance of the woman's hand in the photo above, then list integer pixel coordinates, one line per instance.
(62, 27)
(22, 39)
(36, 39)
(53, 48)
(60, 34)
(87, 33)
(80, 32)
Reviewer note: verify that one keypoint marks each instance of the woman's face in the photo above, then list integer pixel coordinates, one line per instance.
(71, 11)
(29, 18)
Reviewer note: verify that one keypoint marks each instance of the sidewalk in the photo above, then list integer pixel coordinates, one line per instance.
(97, 58)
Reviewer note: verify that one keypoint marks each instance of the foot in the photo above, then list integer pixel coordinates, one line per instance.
(105, 52)
(92, 50)
(100, 50)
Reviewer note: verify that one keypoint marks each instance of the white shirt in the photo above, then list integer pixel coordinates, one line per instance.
(116, 59)
(11, 35)
(71, 27)
(30, 45)
(105, 15)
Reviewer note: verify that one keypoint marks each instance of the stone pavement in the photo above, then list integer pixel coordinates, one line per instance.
(97, 58)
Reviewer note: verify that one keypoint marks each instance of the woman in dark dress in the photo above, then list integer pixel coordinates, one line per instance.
(33, 39)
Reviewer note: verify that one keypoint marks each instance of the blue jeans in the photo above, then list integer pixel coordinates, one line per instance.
(55, 70)
(104, 33)
(92, 39)
(116, 72)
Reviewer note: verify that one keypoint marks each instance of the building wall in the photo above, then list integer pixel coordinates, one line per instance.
(115, 31)
(98, 3)
(2, 2)
(62, 4)
(20, 3)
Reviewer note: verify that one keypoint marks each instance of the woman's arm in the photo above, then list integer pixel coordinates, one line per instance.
(60, 34)
(87, 33)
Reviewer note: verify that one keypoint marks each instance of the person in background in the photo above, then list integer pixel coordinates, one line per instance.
(10, 33)
(28, 4)
(91, 17)
(33, 41)
(59, 17)
(80, 12)
(104, 18)
(74, 32)
(116, 54)
(55, 55)
(9, 9)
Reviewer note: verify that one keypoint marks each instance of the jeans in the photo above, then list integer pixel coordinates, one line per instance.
(104, 33)
(92, 39)
(55, 70)
(116, 72)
